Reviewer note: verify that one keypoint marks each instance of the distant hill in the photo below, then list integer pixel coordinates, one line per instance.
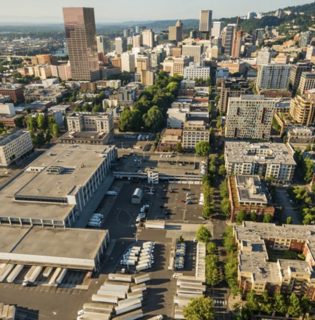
(114, 29)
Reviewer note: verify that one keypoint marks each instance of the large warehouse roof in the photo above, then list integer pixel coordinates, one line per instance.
(68, 248)
(43, 187)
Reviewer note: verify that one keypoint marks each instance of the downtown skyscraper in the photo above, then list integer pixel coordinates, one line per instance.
(81, 40)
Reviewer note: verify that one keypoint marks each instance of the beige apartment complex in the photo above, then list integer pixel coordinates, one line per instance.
(13, 146)
(249, 117)
(302, 110)
(268, 160)
(307, 82)
(194, 132)
(81, 40)
(259, 271)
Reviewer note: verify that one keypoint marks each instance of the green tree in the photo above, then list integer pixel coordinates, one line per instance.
(97, 108)
(212, 270)
(253, 216)
(153, 119)
(241, 216)
(280, 305)
(203, 234)
(222, 171)
(41, 121)
(199, 309)
(294, 309)
(55, 130)
(202, 148)
(267, 218)
(179, 148)
(289, 220)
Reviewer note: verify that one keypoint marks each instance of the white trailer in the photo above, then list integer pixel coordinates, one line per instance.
(5, 271)
(135, 295)
(139, 288)
(138, 314)
(108, 292)
(142, 267)
(116, 286)
(15, 272)
(54, 276)
(182, 301)
(61, 276)
(123, 309)
(104, 298)
(28, 275)
(94, 316)
(47, 272)
(129, 302)
(143, 278)
(155, 224)
(120, 277)
(91, 306)
(35, 274)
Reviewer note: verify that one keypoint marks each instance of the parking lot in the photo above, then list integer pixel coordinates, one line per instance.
(166, 201)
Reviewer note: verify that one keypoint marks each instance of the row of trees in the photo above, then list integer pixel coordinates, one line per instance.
(225, 202)
(252, 216)
(212, 259)
(42, 128)
(278, 304)
(231, 264)
(216, 168)
(304, 200)
(305, 167)
(149, 112)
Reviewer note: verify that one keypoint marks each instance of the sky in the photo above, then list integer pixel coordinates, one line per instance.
(39, 11)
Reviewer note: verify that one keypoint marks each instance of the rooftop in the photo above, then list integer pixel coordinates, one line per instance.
(61, 170)
(250, 190)
(246, 152)
(34, 244)
(7, 138)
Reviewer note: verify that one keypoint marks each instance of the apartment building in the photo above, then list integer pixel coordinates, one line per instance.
(307, 82)
(249, 117)
(232, 87)
(174, 66)
(302, 110)
(193, 51)
(195, 132)
(273, 77)
(193, 72)
(148, 38)
(15, 92)
(13, 146)
(89, 128)
(175, 33)
(296, 73)
(301, 134)
(263, 56)
(128, 62)
(258, 272)
(249, 194)
(268, 160)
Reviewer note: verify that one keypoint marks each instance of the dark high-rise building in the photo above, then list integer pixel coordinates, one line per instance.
(205, 22)
(81, 40)
(229, 39)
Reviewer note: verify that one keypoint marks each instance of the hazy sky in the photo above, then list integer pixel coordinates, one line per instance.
(50, 11)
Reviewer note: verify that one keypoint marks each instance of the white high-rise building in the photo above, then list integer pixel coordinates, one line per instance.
(128, 62)
(148, 38)
(249, 117)
(14, 146)
(193, 72)
(100, 41)
(273, 77)
(216, 29)
(263, 57)
(120, 45)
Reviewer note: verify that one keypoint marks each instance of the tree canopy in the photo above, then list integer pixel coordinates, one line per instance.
(199, 309)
